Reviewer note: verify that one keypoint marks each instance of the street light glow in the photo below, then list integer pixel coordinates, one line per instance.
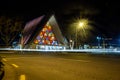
(82, 23)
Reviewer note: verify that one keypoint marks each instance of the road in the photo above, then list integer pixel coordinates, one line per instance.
(60, 66)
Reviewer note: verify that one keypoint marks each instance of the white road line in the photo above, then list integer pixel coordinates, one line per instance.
(15, 65)
(6, 52)
(22, 77)
(75, 60)
(16, 58)
(80, 60)
(4, 59)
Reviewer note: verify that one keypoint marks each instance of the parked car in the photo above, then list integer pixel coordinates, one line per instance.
(1, 69)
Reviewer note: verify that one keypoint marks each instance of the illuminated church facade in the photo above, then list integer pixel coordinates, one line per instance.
(43, 33)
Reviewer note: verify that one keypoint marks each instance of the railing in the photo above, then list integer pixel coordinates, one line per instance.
(67, 50)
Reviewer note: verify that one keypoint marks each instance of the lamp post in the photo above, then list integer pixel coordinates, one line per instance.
(76, 36)
(80, 24)
(98, 38)
(21, 40)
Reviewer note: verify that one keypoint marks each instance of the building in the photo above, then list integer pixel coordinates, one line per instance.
(43, 33)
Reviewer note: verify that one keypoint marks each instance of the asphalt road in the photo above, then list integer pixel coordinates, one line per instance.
(60, 66)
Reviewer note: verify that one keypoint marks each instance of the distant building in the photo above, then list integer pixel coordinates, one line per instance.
(43, 33)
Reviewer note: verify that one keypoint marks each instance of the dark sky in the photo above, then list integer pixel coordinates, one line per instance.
(105, 13)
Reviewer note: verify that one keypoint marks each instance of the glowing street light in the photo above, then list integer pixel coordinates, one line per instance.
(80, 24)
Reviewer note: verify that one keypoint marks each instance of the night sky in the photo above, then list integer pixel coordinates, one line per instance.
(104, 13)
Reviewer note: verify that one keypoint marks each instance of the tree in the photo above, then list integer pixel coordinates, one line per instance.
(9, 28)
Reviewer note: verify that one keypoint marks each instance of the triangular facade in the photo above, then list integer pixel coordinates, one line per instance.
(30, 28)
(43, 31)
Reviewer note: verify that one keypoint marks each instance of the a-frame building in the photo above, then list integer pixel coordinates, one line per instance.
(43, 33)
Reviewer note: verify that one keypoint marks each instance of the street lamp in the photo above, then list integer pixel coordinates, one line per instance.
(80, 24)
(21, 39)
(99, 38)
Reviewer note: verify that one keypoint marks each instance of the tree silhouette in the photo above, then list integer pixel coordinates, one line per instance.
(9, 28)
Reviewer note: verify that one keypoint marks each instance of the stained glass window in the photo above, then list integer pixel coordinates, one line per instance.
(46, 36)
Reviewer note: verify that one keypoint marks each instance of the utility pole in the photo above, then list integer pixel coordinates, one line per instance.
(76, 37)
(98, 38)
(21, 40)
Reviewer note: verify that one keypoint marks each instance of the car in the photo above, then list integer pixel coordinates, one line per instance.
(1, 69)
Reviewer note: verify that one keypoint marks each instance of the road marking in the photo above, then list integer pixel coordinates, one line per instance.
(80, 60)
(75, 60)
(15, 65)
(22, 77)
(4, 59)
(6, 52)
(16, 58)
